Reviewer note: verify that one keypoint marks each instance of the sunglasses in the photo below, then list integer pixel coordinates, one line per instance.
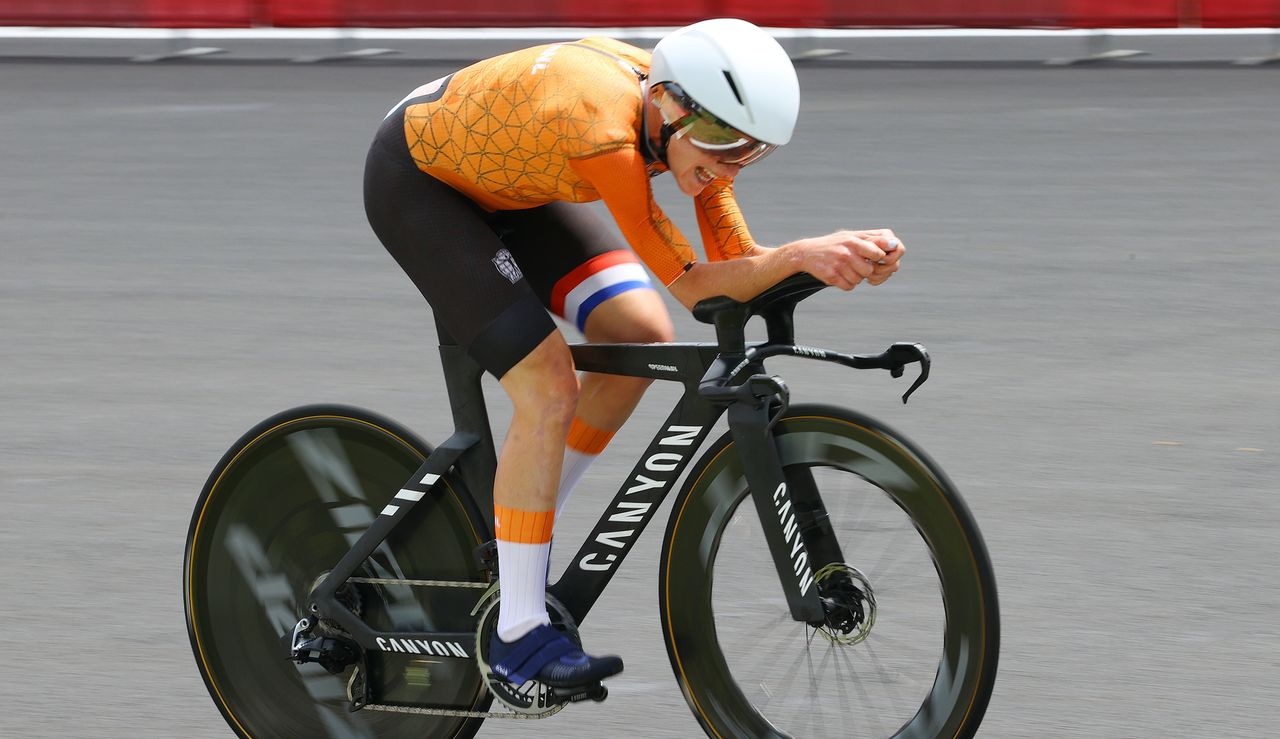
(704, 130)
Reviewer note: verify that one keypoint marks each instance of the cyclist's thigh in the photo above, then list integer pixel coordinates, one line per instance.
(581, 269)
(450, 250)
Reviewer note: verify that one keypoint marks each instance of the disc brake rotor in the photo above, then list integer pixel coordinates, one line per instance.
(849, 603)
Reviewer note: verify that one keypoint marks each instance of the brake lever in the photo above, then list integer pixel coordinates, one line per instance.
(900, 355)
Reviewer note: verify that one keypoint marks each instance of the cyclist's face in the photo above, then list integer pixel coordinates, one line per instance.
(695, 168)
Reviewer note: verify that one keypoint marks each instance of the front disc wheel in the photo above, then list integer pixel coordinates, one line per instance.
(910, 636)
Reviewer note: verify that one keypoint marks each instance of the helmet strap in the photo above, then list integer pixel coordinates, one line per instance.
(655, 151)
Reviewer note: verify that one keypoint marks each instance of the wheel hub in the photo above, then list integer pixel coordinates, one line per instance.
(848, 601)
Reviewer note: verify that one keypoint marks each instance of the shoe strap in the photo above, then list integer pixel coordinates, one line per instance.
(534, 651)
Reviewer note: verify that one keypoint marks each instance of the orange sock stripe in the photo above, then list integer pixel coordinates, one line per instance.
(523, 527)
(588, 439)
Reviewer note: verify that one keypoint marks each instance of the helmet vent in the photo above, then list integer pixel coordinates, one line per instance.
(729, 78)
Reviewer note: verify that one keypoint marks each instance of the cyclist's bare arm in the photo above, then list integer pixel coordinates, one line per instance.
(842, 259)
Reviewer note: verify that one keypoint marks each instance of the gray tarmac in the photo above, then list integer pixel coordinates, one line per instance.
(1092, 261)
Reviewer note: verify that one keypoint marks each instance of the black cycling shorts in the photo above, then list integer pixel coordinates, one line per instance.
(491, 277)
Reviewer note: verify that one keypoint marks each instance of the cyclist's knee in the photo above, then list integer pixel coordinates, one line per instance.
(544, 381)
(653, 331)
(636, 316)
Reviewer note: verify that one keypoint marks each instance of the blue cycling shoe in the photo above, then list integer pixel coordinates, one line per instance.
(551, 658)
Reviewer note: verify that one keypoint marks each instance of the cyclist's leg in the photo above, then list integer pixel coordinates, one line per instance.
(635, 316)
(605, 402)
(543, 392)
(451, 250)
(593, 281)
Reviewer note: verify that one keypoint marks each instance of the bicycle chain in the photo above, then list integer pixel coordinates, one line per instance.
(448, 712)
(453, 713)
(421, 583)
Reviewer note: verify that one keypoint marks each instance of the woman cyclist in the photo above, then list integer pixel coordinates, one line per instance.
(476, 184)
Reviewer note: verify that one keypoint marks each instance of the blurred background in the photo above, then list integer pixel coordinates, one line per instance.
(1089, 193)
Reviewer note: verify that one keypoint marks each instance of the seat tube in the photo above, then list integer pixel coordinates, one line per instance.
(462, 377)
(771, 495)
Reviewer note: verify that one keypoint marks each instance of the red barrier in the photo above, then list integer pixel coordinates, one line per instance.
(203, 13)
(1126, 13)
(985, 14)
(454, 13)
(516, 13)
(318, 13)
(72, 12)
(1239, 13)
(180, 13)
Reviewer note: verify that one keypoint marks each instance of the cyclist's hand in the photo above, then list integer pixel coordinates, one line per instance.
(844, 258)
(892, 246)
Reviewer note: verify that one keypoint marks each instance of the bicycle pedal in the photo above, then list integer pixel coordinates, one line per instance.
(595, 692)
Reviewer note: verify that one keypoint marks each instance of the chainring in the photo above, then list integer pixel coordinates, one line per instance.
(533, 697)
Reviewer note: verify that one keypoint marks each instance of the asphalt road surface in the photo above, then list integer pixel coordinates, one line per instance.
(1092, 261)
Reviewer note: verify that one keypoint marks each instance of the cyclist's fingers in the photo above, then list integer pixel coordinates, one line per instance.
(885, 269)
(850, 275)
(895, 253)
(861, 266)
(882, 273)
(833, 274)
(864, 248)
(884, 238)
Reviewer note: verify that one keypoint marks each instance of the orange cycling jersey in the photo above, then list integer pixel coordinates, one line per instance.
(562, 122)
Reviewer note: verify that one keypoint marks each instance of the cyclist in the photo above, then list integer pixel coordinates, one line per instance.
(476, 183)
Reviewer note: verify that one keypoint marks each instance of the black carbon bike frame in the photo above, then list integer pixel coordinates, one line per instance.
(789, 506)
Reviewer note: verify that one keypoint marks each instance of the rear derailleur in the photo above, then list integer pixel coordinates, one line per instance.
(334, 653)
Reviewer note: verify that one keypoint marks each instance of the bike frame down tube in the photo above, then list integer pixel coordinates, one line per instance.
(653, 476)
(661, 465)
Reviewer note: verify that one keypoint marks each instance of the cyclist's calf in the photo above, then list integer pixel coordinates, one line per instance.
(544, 393)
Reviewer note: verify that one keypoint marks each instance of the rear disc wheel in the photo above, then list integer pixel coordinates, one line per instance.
(280, 509)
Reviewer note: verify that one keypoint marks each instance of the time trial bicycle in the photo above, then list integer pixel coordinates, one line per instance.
(340, 574)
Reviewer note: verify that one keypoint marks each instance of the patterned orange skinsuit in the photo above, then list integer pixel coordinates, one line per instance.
(562, 122)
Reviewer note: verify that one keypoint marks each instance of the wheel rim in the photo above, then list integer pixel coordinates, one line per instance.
(918, 672)
(278, 515)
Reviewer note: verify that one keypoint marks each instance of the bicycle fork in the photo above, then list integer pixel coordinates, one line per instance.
(791, 511)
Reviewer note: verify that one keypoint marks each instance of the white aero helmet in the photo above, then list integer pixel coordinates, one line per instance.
(726, 86)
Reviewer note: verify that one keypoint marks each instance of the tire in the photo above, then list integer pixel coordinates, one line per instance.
(280, 509)
(748, 669)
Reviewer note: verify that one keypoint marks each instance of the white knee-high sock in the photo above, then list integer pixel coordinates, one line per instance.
(524, 544)
(583, 448)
